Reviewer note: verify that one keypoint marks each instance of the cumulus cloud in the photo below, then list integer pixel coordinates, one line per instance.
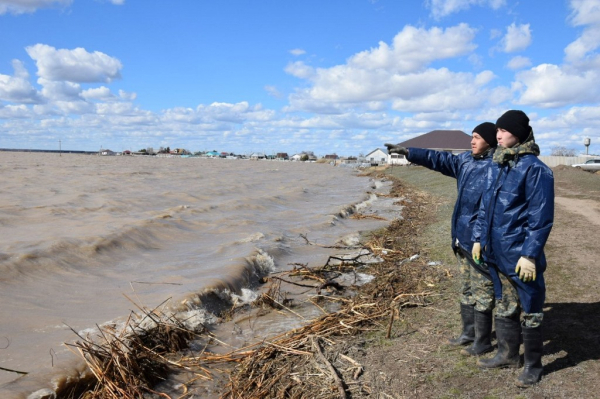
(60, 91)
(396, 74)
(583, 45)
(17, 88)
(577, 81)
(518, 62)
(443, 8)
(127, 96)
(517, 38)
(443, 90)
(300, 70)
(98, 93)
(29, 6)
(549, 85)
(414, 48)
(77, 65)
(584, 12)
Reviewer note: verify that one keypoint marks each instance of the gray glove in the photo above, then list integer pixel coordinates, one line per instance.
(396, 149)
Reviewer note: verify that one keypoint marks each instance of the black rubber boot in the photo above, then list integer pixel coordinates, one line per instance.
(483, 335)
(508, 332)
(534, 345)
(467, 314)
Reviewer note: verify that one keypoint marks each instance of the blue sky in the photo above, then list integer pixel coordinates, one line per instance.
(335, 76)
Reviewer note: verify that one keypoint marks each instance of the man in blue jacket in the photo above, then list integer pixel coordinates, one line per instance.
(476, 289)
(513, 225)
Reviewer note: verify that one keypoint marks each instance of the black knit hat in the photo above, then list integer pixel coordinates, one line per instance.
(516, 122)
(487, 131)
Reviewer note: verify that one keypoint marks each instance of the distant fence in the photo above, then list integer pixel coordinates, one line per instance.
(552, 161)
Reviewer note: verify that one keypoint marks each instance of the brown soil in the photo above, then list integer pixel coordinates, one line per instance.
(418, 364)
(409, 358)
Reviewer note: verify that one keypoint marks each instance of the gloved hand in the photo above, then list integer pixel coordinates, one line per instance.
(526, 269)
(396, 149)
(476, 253)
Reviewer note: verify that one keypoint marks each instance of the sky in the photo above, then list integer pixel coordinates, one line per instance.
(335, 76)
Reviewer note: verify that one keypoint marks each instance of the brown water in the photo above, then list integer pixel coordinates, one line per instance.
(80, 231)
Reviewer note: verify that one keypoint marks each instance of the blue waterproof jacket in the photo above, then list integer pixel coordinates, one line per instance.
(470, 174)
(515, 218)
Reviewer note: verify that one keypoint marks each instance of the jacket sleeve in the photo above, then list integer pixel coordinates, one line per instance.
(540, 210)
(480, 224)
(440, 161)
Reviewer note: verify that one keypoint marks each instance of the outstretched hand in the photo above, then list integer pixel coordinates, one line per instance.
(396, 149)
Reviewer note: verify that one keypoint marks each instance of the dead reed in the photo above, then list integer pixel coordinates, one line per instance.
(307, 362)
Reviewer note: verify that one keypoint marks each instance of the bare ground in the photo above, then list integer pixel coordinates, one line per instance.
(417, 363)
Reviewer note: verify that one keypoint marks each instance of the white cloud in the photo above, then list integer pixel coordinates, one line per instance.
(98, 93)
(549, 85)
(17, 88)
(443, 90)
(127, 96)
(15, 112)
(297, 52)
(584, 44)
(396, 74)
(272, 90)
(443, 8)
(118, 2)
(63, 91)
(75, 65)
(300, 70)
(584, 12)
(414, 48)
(517, 38)
(29, 6)
(518, 62)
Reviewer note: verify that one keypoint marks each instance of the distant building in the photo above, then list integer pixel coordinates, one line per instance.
(257, 155)
(377, 157)
(454, 141)
(106, 152)
(282, 156)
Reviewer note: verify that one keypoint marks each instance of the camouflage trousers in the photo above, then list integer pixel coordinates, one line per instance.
(509, 305)
(476, 288)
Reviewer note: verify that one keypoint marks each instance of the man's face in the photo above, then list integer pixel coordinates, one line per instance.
(478, 144)
(506, 138)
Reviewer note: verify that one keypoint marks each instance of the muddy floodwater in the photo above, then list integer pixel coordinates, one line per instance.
(82, 236)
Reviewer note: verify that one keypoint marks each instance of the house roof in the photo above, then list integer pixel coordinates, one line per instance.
(441, 139)
(378, 149)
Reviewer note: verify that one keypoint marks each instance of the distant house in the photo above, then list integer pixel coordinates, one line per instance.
(282, 156)
(331, 157)
(349, 160)
(296, 157)
(257, 155)
(454, 141)
(212, 154)
(107, 152)
(377, 157)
